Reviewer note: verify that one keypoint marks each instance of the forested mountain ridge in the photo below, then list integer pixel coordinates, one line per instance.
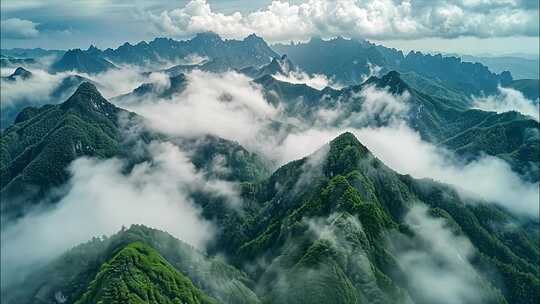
(248, 175)
(38, 148)
(329, 228)
(446, 122)
(147, 264)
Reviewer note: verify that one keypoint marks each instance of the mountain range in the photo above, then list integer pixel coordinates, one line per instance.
(253, 50)
(338, 225)
(348, 60)
(446, 122)
(360, 201)
(345, 61)
(520, 67)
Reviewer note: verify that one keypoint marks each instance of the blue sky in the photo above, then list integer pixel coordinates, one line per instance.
(463, 26)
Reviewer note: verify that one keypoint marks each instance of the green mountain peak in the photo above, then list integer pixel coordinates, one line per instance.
(87, 98)
(139, 274)
(347, 138)
(392, 81)
(346, 151)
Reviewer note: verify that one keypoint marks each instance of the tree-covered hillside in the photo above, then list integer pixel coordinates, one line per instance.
(443, 121)
(336, 226)
(36, 151)
(268, 179)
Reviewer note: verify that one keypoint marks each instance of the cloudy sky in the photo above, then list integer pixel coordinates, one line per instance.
(464, 26)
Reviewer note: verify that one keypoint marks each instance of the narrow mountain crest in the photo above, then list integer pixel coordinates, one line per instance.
(346, 151)
(88, 99)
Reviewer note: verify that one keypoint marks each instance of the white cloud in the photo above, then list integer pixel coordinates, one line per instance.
(293, 74)
(401, 148)
(487, 178)
(317, 81)
(378, 19)
(381, 107)
(374, 71)
(226, 105)
(101, 198)
(508, 100)
(115, 82)
(161, 81)
(436, 262)
(377, 107)
(15, 28)
(229, 106)
(39, 88)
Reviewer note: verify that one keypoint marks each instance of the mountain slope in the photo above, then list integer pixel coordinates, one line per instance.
(82, 61)
(529, 87)
(19, 73)
(521, 68)
(224, 159)
(133, 264)
(280, 66)
(138, 274)
(21, 78)
(442, 121)
(329, 227)
(470, 133)
(469, 78)
(349, 61)
(36, 151)
(326, 221)
(30, 53)
(175, 85)
(252, 50)
(345, 60)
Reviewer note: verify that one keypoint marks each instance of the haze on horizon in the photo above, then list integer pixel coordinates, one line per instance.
(476, 27)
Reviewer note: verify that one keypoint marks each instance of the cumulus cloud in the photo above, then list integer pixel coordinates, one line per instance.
(15, 28)
(379, 19)
(437, 263)
(508, 100)
(101, 198)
